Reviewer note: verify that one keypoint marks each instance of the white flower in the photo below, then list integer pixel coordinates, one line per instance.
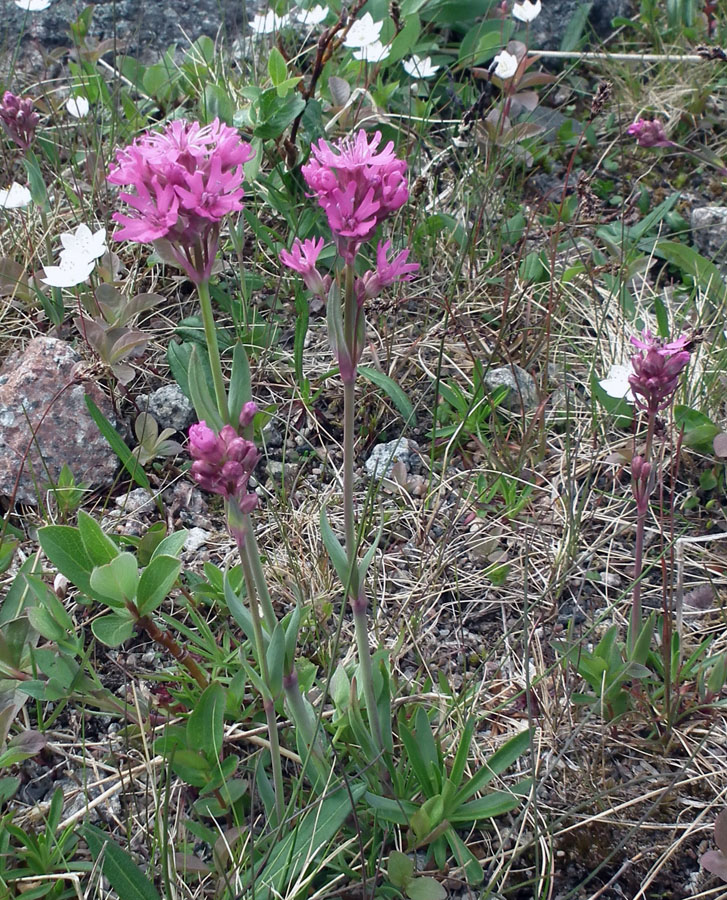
(71, 271)
(420, 67)
(364, 32)
(616, 383)
(505, 64)
(77, 107)
(313, 16)
(268, 23)
(526, 11)
(33, 5)
(17, 196)
(373, 53)
(83, 244)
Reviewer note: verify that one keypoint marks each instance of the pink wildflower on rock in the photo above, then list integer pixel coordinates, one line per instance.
(223, 463)
(18, 119)
(356, 186)
(186, 179)
(302, 258)
(386, 272)
(656, 370)
(649, 133)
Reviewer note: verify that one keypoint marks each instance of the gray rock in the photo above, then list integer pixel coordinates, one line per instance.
(136, 501)
(169, 406)
(384, 457)
(522, 393)
(709, 230)
(43, 414)
(548, 30)
(139, 27)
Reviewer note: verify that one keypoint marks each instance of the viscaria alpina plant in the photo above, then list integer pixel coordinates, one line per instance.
(358, 185)
(184, 181)
(18, 119)
(656, 371)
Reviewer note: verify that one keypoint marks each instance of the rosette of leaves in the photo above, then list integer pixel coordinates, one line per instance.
(152, 442)
(108, 332)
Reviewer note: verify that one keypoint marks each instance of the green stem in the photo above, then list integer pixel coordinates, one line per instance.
(271, 620)
(641, 513)
(210, 335)
(268, 700)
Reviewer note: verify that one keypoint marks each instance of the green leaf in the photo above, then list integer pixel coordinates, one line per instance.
(274, 113)
(127, 458)
(301, 330)
(495, 803)
(124, 876)
(275, 656)
(427, 745)
(155, 583)
(172, 544)
(218, 103)
(45, 624)
(574, 32)
(240, 390)
(63, 546)
(239, 612)
(472, 868)
(400, 869)
(402, 44)
(463, 749)
(336, 553)
(206, 721)
(36, 185)
(416, 760)
(99, 546)
(702, 270)
(425, 888)
(117, 581)
(509, 753)
(200, 394)
(112, 630)
(389, 386)
(277, 68)
(397, 811)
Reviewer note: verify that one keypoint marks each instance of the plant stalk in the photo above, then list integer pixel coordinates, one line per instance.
(210, 335)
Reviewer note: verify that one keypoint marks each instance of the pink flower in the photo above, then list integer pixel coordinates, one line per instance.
(656, 370)
(649, 133)
(18, 119)
(302, 258)
(186, 179)
(223, 463)
(356, 186)
(386, 272)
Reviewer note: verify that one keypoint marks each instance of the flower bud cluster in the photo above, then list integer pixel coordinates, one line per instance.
(186, 179)
(18, 119)
(223, 463)
(649, 133)
(356, 186)
(656, 370)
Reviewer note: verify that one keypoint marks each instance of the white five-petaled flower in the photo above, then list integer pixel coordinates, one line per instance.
(313, 16)
(33, 5)
(616, 383)
(364, 32)
(77, 107)
(17, 196)
(373, 53)
(78, 257)
(268, 23)
(505, 65)
(420, 67)
(526, 11)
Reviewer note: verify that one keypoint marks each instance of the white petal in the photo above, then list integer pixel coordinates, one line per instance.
(505, 65)
(17, 196)
(83, 244)
(373, 53)
(33, 5)
(67, 275)
(313, 16)
(526, 11)
(363, 33)
(268, 23)
(77, 107)
(616, 383)
(419, 67)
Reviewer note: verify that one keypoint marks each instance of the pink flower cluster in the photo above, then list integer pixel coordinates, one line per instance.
(356, 186)
(18, 119)
(186, 179)
(657, 369)
(223, 463)
(649, 133)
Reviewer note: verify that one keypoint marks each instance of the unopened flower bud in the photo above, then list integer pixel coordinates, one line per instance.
(248, 413)
(60, 586)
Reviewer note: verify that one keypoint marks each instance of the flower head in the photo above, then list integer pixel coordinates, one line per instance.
(78, 257)
(616, 383)
(357, 186)
(420, 67)
(649, 133)
(186, 179)
(504, 65)
(313, 16)
(526, 11)
(656, 370)
(302, 258)
(77, 107)
(363, 32)
(18, 119)
(17, 196)
(374, 52)
(386, 273)
(267, 23)
(223, 463)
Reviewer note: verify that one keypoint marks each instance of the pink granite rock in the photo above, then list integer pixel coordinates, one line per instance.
(41, 389)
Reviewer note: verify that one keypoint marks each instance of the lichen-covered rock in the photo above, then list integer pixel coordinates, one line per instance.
(44, 422)
(709, 230)
(522, 391)
(169, 407)
(548, 30)
(383, 457)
